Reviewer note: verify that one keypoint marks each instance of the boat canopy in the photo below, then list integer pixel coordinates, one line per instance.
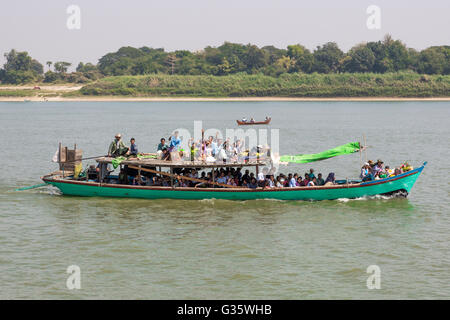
(306, 158)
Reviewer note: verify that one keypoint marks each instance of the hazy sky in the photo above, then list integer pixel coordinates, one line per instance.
(39, 27)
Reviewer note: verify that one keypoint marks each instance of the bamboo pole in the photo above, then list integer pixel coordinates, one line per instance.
(365, 148)
(203, 138)
(360, 155)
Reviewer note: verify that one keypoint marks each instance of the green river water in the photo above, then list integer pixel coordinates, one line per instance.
(208, 249)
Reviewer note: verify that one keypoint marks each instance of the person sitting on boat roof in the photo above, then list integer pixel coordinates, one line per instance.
(117, 147)
(133, 148)
(162, 145)
(252, 120)
(175, 142)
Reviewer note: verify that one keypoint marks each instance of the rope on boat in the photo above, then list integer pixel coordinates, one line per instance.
(31, 187)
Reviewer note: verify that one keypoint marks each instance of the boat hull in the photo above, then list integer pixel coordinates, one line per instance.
(401, 183)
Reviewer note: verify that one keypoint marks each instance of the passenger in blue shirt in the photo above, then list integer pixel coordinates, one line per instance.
(293, 181)
(133, 148)
(175, 142)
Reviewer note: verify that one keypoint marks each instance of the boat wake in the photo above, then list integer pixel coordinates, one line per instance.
(53, 191)
(376, 197)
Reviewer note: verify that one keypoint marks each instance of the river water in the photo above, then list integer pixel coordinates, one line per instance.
(167, 249)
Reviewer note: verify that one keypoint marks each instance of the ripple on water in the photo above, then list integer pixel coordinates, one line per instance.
(253, 249)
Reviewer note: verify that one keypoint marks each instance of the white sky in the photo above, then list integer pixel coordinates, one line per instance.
(39, 27)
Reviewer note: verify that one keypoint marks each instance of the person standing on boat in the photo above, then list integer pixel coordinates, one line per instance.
(117, 147)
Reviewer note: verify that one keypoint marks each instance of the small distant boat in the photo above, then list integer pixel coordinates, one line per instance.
(246, 123)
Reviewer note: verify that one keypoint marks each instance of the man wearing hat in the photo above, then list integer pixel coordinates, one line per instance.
(117, 147)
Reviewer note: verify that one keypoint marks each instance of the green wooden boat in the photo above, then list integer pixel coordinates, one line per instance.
(400, 184)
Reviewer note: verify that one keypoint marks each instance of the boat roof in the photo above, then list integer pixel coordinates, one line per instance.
(181, 163)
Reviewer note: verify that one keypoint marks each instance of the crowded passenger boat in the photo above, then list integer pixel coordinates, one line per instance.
(215, 167)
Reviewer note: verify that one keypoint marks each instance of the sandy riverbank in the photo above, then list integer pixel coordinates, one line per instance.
(115, 98)
(55, 88)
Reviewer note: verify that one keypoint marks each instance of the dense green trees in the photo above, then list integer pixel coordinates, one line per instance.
(20, 68)
(388, 55)
(434, 60)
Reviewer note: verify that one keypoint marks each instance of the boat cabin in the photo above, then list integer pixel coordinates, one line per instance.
(169, 170)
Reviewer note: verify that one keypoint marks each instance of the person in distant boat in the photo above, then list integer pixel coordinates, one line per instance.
(267, 118)
(244, 119)
(117, 147)
(133, 148)
(252, 120)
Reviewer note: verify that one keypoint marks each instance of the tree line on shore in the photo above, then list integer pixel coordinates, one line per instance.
(379, 57)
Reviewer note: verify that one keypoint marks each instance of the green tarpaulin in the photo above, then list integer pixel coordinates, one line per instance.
(306, 158)
(116, 161)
